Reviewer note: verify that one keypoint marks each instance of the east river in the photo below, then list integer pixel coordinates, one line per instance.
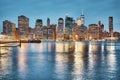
(62, 61)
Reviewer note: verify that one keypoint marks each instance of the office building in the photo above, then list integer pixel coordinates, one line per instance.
(101, 30)
(111, 26)
(93, 32)
(82, 30)
(68, 27)
(81, 20)
(49, 33)
(48, 22)
(38, 29)
(9, 28)
(60, 29)
(23, 26)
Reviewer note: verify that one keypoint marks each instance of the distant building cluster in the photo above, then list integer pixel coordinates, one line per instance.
(67, 29)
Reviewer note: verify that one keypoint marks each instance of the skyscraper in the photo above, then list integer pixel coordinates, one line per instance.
(49, 33)
(111, 25)
(93, 31)
(60, 29)
(101, 29)
(23, 25)
(38, 23)
(48, 22)
(38, 29)
(68, 27)
(78, 21)
(81, 20)
(9, 28)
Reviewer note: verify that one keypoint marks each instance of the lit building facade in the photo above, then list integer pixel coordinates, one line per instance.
(82, 30)
(79, 32)
(23, 26)
(81, 20)
(38, 29)
(49, 33)
(31, 35)
(78, 21)
(101, 30)
(13, 31)
(75, 32)
(93, 32)
(60, 29)
(116, 34)
(68, 27)
(9, 28)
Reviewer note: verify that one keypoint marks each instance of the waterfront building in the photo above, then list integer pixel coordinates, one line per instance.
(48, 22)
(49, 33)
(79, 32)
(101, 30)
(9, 28)
(116, 34)
(31, 35)
(82, 31)
(81, 20)
(75, 32)
(23, 26)
(78, 21)
(13, 30)
(111, 26)
(93, 32)
(60, 29)
(17, 34)
(45, 33)
(38, 29)
(68, 27)
(80, 28)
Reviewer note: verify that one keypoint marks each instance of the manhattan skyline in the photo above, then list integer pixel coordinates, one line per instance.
(36, 9)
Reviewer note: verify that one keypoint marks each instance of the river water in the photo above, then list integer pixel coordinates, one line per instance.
(62, 61)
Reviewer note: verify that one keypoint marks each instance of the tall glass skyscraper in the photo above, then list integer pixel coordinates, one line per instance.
(48, 22)
(111, 25)
(68, 26)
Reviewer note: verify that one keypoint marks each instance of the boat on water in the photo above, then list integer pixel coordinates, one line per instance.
(34, 41)
(30, 41)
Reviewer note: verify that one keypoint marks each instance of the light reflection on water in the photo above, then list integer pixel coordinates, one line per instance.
(62, 61)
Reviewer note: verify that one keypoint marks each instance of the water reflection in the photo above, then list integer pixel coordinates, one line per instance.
(111, 59)
(79, 57)
(22, 59)
(5, 50)
(61, 65)
(62, 61)
(111, 47)
(5, 66)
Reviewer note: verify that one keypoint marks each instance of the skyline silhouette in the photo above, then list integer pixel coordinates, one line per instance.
(35, 9)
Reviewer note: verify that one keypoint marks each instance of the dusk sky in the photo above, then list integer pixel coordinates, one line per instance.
(94, 10)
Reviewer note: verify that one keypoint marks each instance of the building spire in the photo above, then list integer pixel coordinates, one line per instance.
(82, 12)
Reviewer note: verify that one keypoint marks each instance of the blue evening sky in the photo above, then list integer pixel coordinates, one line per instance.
(94, 10)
